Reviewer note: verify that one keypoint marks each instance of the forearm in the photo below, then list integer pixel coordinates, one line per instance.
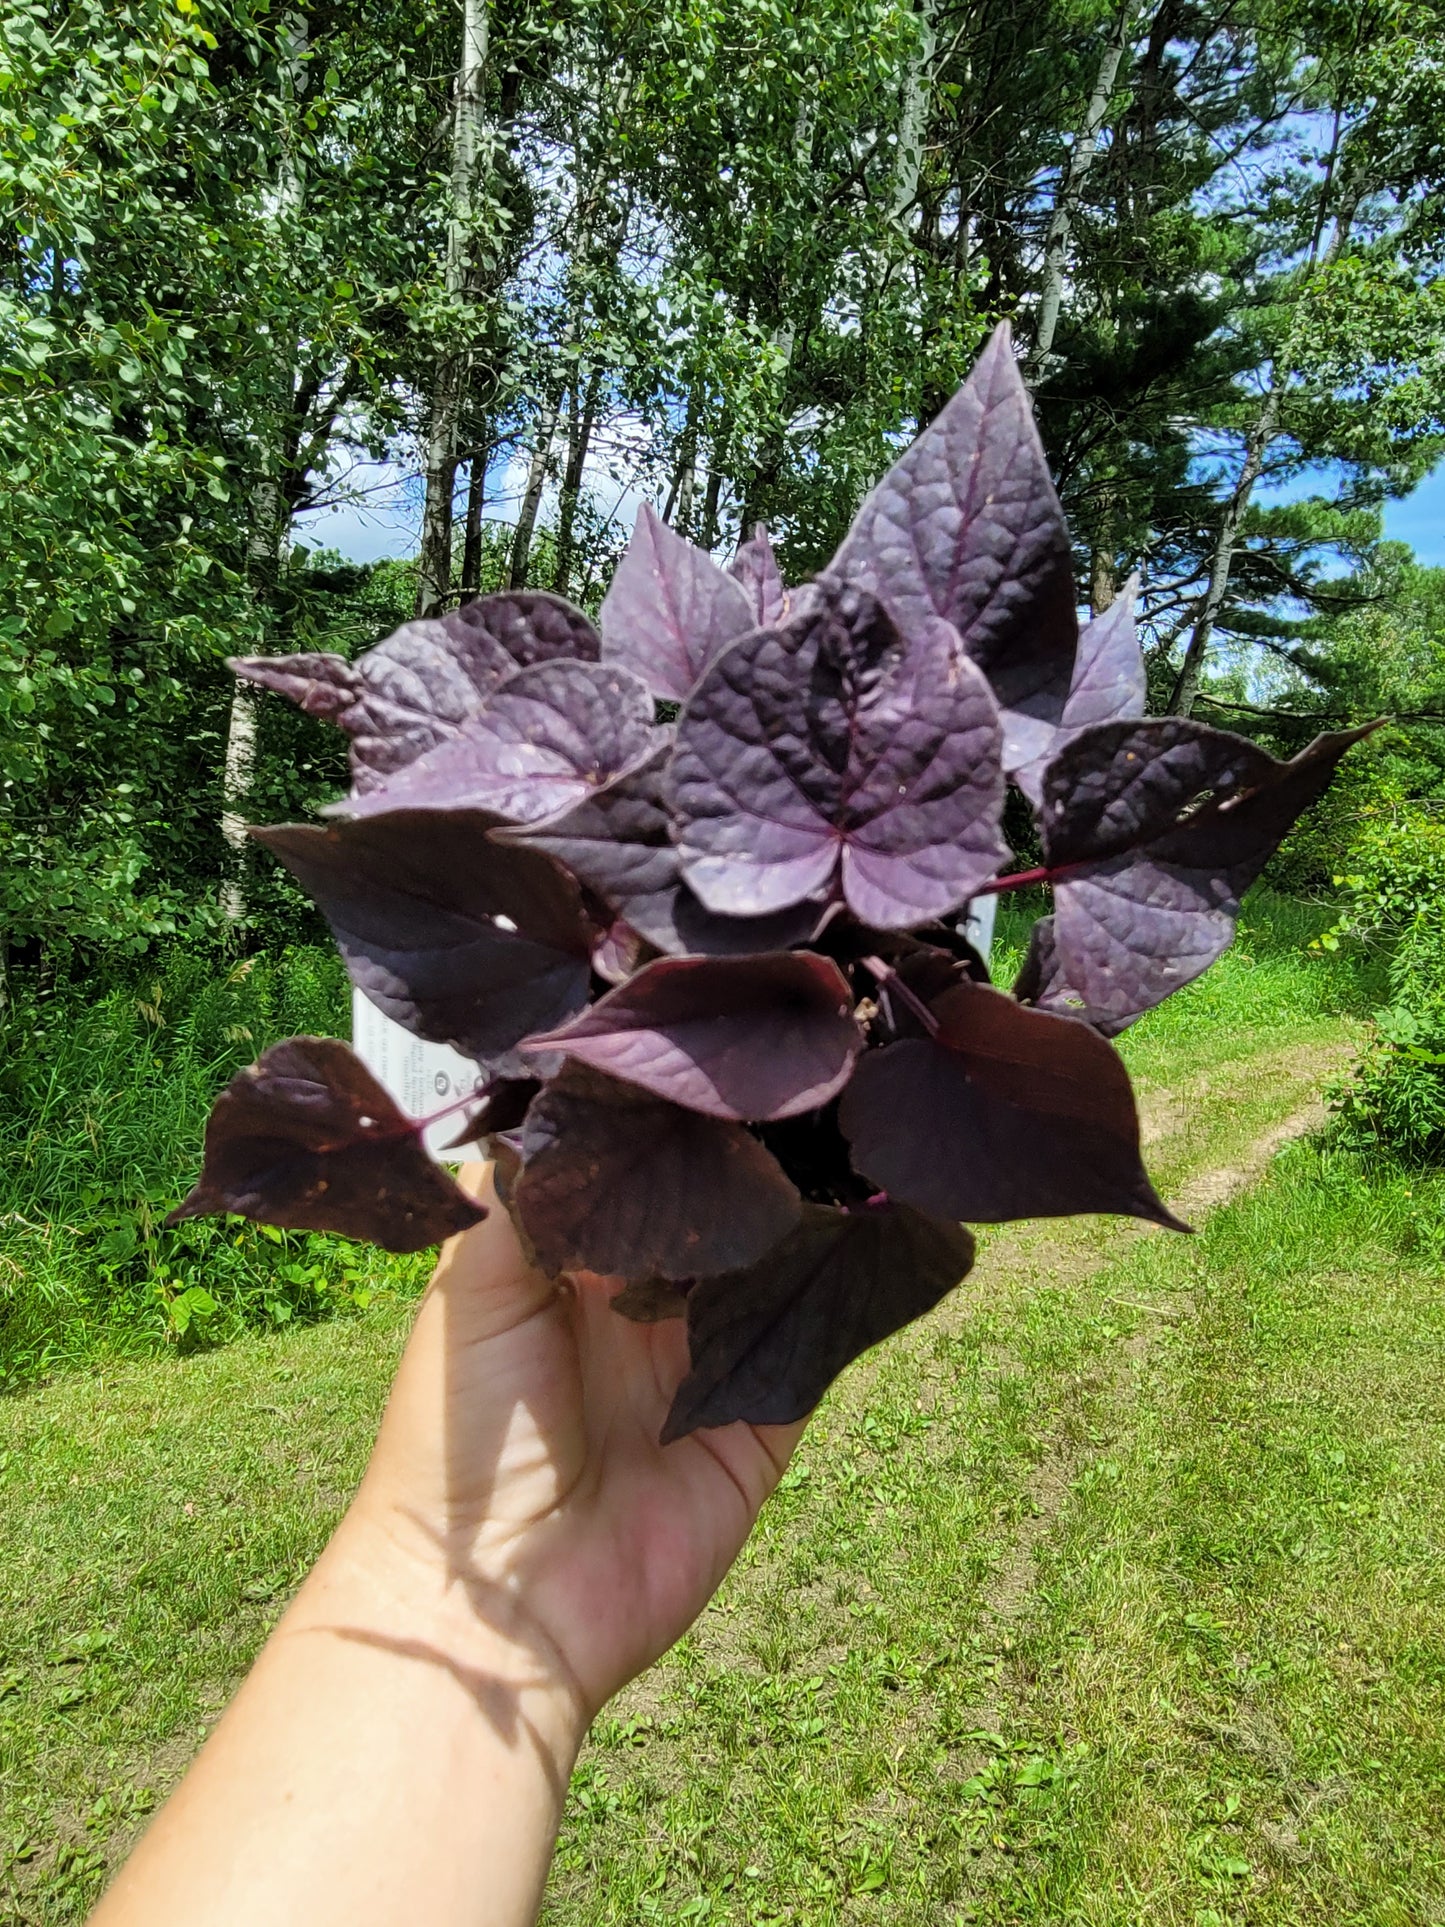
(394, 1756)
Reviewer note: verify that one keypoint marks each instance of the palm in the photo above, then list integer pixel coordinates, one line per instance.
(546, 1478)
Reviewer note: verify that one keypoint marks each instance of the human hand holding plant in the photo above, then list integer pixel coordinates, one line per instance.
(520, 1547)
(519, 1467)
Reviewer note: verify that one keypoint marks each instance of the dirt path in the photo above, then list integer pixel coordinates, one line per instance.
(1007, 1597)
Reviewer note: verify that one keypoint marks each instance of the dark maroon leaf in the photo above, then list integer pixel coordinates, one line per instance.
(670, 609)
(1041, 982)
(499, 1106)
(618, 1181)
(767, 1342)
(544, 739)
(460, 939)
(1160, 827)
(1109, 684)
(832, 745)
(423, 682)
(1006, 1113)
(648, 1301)
(739, 1037)
(756, 568)
(966, 527)
(618, 843)
(306, 1138)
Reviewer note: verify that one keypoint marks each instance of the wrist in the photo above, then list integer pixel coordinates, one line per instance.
(371, 1585)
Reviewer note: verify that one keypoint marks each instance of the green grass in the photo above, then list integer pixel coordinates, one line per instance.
(1112, 1593)
(103, 1103)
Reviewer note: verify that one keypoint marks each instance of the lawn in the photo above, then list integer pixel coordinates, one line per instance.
(1111, 1593)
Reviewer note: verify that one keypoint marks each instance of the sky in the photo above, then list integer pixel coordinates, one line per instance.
(388, 521)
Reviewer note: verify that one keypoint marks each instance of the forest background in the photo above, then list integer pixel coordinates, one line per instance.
(532, 264)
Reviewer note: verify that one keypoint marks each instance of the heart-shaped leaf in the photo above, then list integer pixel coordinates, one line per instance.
(618, 1181)
(422, 683)
(1159, 828)
(756, 568)
(670, 609)
(306, 1138)
(460, 939)
(741, 1037)
(832, 746)
(767, 1342)
(1004, 1113)
(544, 739)
(1109, 684)
(966, 527)
(1041, 982)
(618, 842)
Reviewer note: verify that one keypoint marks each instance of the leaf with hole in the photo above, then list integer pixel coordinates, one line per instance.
(307, 1138)
(461, 940)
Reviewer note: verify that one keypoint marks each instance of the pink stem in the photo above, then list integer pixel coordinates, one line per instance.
(1020, 880)
(889, 978)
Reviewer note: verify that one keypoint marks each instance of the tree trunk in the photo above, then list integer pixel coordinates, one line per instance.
(1256, 446)
(679, 494)
(472, 542)
(532, 494)
(434, 565)
(913, 117)
(579, 438)
(1255, 449)
(268, 540)
(1103, 583)
(1071, 188)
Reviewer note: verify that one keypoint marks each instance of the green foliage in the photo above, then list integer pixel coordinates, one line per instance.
(1394, 1102)
(103, 1101)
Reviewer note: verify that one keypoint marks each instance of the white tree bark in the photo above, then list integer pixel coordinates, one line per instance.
(434, 567)
(913, 116)
(268, 540)
(1071, 187)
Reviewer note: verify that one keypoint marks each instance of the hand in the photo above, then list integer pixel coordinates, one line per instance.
(521, 1545)
(518, 1464)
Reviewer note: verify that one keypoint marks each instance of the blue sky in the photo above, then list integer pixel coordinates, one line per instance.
(1420, 519)
(390, 523)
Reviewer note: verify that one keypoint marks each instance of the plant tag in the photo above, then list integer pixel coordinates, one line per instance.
(421, 1077)
(978, 924)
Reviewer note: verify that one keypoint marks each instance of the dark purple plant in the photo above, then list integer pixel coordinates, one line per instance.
(735, 1048)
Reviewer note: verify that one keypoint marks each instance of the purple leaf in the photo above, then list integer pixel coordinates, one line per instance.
(966, 527)
(617, 1181)
(1160, 827)
(742, 1037)
(1109, 684)
(544, 739)
(462, 940)
(306, 1138)
(1005, 1113)
(756, 568)
(422, 683)
(832, 746)
(767, 1342)
(670, 609)
(648, 1301)
(618, 842)
(1041, 982)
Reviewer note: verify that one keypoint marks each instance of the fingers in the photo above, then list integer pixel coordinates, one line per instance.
(483, 1275)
